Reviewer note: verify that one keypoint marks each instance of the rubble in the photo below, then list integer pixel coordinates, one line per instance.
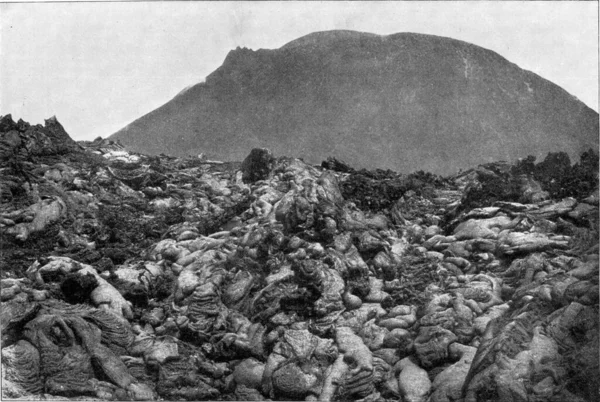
(131, 277)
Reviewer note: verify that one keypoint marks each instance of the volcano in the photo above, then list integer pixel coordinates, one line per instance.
(405, 102)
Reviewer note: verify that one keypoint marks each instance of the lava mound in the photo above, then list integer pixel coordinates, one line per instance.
(134, 277)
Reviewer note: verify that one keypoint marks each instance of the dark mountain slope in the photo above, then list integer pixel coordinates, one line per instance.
(404, 101)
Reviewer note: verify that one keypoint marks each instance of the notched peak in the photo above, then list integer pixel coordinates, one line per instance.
(238, 54)
(7, 123)
(53, 123)
(57, 130)
(51, 120)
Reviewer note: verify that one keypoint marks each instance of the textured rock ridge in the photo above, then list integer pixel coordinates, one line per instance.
(163, 278)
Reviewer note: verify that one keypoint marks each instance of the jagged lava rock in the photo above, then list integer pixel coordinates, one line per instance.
(169, 278)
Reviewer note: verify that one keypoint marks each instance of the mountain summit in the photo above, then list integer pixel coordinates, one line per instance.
(404, 101)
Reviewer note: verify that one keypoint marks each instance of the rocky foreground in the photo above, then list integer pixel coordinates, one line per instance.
(131, 277)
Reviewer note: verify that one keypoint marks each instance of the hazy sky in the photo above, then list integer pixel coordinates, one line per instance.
(99, 66)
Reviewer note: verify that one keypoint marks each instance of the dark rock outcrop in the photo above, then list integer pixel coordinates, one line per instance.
(22, 138)
(257, 165)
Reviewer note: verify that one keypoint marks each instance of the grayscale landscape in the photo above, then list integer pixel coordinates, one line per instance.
(349, 216)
